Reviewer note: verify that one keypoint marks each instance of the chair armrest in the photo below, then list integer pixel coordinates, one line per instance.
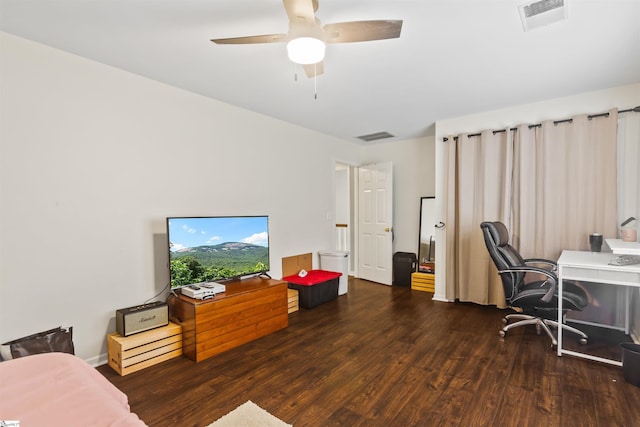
(551, 278)
(548, 262)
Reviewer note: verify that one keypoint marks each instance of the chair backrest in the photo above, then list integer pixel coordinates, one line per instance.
(496, 238)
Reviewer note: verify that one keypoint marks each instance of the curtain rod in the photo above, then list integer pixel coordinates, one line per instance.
(591, 116)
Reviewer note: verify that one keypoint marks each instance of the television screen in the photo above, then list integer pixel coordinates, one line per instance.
(210, 249)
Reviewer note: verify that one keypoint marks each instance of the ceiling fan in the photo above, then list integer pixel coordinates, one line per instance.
(307, 37)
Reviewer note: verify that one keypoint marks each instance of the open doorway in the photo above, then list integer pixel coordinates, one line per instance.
(345, 211)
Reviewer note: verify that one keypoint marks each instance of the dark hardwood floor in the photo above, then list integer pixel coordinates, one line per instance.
(389, 356)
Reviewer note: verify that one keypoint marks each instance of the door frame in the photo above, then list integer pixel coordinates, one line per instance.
(353, 212)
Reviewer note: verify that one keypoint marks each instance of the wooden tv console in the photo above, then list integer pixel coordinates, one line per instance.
(247, 310)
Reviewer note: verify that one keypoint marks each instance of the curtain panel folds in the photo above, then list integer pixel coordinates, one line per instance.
(480, 181)
(551, 185)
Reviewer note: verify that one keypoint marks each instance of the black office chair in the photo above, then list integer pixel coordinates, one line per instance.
(537, 299)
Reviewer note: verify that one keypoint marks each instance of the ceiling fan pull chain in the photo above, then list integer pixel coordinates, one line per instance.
(315, 81)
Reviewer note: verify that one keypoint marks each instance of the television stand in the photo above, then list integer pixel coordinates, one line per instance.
(248, 309)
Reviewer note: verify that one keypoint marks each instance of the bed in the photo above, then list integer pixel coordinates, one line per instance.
(60, 389)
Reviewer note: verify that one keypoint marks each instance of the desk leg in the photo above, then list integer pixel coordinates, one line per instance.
(560, 319)
(627, 311)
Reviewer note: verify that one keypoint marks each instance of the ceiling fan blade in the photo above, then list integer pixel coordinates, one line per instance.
(312, 70)
(362, 31)
(301, 10)
(267, 38)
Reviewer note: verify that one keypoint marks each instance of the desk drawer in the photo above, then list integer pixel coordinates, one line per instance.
(614, 277)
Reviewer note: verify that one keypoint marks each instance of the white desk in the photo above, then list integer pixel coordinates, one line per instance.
(594, 267)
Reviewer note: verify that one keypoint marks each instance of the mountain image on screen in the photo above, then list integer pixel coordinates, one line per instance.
(215, 262)
(216, 248)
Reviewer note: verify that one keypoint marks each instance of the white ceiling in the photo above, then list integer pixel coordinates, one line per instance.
(454, 57)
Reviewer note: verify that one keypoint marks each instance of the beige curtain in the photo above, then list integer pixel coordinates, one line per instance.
(552, 185)
(564, 185)
(478, 185)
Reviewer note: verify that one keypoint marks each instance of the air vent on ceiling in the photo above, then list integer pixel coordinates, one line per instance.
(375, 136)
(541, 13)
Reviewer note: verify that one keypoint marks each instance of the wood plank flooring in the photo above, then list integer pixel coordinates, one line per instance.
(389, 356)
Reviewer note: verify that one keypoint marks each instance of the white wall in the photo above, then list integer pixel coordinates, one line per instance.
(92, 161)
(588, 103)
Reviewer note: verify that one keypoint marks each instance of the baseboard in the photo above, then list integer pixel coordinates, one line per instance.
(441, 298)
(98, 360)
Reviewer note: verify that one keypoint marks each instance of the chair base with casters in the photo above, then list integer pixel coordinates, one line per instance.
(537, 299)
(541, 325)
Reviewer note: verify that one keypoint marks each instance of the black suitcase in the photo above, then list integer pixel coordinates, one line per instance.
(404, 263)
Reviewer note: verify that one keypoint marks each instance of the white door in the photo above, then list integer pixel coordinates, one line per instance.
(375, 222)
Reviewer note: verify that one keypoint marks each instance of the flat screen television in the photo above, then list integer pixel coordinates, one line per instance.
(217, 248)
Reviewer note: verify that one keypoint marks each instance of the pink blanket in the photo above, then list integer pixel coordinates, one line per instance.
(60, 389)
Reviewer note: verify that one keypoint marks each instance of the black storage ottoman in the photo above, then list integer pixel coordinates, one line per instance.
(317, 287)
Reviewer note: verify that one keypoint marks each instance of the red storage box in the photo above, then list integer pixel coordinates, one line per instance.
(317, 287)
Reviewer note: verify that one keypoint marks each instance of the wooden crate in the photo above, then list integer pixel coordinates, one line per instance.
(423, 282)
(139, 351)
(292, 300)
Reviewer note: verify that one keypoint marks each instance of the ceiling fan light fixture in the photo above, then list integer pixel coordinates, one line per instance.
(306, 50)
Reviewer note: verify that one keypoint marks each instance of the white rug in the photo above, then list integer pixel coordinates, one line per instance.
(249, 415)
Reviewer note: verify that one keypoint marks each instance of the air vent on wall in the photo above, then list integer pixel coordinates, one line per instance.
(541, 13)
(375, 136)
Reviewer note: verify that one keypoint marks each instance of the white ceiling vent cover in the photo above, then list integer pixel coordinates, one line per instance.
(541, 13)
